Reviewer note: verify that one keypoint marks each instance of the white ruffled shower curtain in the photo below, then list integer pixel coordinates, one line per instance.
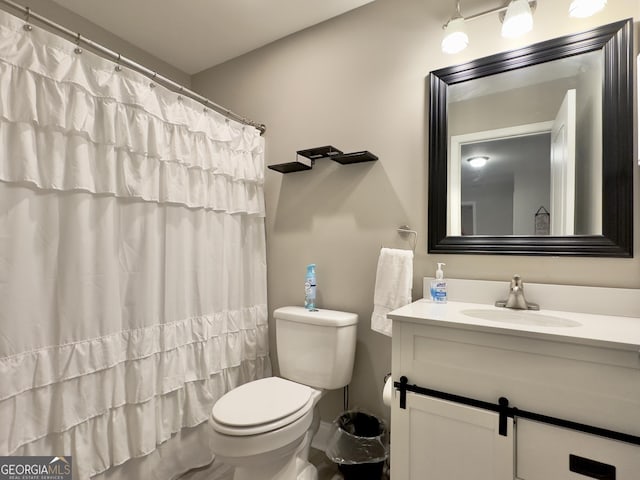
(132, 262)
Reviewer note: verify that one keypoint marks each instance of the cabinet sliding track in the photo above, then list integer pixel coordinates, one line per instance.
(504, 411)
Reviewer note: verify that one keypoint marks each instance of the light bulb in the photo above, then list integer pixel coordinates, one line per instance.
(585, 8)
(518, 20)
(455, 37)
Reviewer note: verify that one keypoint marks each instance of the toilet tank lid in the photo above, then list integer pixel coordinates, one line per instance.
(329, 318)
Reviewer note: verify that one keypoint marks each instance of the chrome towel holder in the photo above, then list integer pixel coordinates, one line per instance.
(404, 231)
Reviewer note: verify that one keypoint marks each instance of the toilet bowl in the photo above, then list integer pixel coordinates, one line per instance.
(264, 428)
(264, 439)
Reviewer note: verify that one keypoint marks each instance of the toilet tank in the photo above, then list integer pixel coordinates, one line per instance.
(316, 348)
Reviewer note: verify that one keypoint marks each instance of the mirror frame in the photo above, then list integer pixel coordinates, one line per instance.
(616, 240)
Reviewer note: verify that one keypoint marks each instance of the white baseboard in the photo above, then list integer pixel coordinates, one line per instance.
(321, 438)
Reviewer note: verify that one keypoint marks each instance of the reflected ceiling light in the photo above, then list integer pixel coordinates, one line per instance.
(585, 8)
(518, 20)
(478, 161)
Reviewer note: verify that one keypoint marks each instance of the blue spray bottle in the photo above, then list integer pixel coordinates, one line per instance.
(310, 288)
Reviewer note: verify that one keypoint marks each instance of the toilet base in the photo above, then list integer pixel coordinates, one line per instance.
(307, 471)
(298, 469)
(293, 466)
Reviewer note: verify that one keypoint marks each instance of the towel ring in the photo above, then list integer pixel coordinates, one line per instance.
(404, 230)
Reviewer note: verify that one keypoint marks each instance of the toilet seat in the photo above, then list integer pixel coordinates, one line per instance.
(261, 406)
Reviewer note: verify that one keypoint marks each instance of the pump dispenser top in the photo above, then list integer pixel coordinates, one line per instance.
(439, 272)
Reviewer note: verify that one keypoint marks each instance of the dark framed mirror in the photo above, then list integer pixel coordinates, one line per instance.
(554, 122)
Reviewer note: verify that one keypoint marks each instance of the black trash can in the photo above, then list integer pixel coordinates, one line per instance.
(359, 445)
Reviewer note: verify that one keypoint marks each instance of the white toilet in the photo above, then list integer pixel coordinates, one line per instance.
(264, 428)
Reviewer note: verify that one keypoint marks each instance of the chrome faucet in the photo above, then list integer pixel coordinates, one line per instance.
(516, 298)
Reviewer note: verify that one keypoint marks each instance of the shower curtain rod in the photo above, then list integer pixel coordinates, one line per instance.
(155, 76)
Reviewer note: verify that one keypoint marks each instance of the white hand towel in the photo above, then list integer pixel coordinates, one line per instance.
(394, 280)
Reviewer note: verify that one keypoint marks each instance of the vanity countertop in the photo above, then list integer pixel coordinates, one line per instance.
(599, 330)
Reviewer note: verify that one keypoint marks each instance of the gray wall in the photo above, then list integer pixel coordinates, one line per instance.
(531, 191)
(359, 82)
(519, 106)
(494, 205)
(588, 145)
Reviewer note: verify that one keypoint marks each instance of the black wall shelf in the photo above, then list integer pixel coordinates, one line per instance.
(305, 159)
(290, 167)
(319, 152)
(355, 157)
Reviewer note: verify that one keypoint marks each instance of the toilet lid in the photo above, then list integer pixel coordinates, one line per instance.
(260, 402)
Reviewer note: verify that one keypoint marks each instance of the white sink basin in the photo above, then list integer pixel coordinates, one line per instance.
(520, 317)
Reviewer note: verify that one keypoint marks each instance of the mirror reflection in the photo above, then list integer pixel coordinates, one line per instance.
(525, 150)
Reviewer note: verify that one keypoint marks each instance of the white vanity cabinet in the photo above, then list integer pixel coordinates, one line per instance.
(581, 368)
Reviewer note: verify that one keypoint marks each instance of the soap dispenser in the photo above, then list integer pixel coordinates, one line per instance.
(439, 286)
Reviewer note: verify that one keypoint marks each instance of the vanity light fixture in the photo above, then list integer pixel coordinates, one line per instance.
(585, 8)
(517, 21)
(516, 17)
(478, 161)
(455, 36)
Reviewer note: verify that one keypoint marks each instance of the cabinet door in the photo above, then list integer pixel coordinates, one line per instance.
(546, 452)
(440, 440)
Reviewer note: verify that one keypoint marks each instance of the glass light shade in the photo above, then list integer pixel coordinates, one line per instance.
(585, 8)
(518, 20)
(478, 162)
(455, 37)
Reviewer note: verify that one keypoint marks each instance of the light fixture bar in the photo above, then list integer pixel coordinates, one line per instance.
(477, 15)
(532, 3)
(489, 12)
